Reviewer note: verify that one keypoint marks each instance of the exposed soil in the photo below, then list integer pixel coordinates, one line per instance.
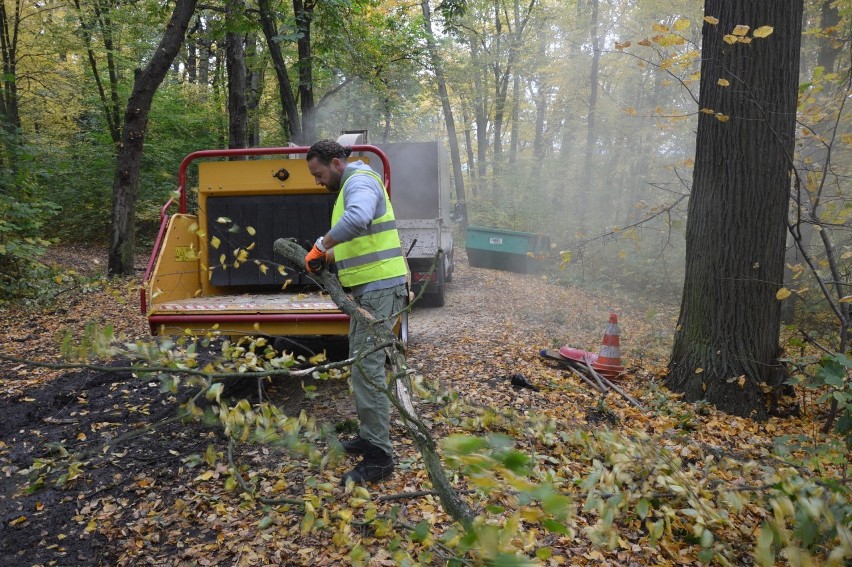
(138, 498)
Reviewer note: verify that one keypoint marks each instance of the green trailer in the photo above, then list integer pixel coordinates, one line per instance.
(509, 250)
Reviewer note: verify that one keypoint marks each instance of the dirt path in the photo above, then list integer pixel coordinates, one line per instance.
(142, 500)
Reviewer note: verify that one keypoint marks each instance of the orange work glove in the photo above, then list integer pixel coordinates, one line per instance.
(315, 259)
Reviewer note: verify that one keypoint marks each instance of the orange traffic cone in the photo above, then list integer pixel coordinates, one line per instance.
(608, 363)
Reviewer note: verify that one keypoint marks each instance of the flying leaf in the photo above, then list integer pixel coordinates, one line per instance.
(223, 220)
(711, 20)
(215, 242)
(730, 39)
(722, 117)
(763, 31)
(741, 30)
(783, 293)
(251, 230)
(662, 28)
(846, 299)
(723, 83)
(699, 370)
(681, 24)
(708, 111)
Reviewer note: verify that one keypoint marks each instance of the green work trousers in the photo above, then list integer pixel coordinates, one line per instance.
(368, 373)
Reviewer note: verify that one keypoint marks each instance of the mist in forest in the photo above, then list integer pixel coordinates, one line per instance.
(575, 120)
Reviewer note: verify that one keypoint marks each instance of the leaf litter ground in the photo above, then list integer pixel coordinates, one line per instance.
(157, 495)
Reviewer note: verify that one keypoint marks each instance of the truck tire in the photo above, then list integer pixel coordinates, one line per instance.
(437, 300)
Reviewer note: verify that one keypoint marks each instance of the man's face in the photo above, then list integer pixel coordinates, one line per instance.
(327, 175)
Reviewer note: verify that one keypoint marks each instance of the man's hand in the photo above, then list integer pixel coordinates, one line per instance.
(315, 259)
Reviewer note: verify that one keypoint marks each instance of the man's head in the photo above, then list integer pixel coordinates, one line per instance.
(326, 162)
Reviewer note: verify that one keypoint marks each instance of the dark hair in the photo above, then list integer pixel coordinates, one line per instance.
(327, 150)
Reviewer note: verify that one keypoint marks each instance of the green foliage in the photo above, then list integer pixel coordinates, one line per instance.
(22, 222)
(832, 376)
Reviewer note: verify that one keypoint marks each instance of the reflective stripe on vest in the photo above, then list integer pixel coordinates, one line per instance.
(374, 255)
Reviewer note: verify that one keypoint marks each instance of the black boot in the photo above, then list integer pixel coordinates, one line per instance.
(374, 465)
(357, 446)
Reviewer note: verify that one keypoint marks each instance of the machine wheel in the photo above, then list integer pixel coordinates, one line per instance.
(402, 327)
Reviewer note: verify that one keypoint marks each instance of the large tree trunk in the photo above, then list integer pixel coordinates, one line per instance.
(726, 342)
(125, 186)
(455, 157)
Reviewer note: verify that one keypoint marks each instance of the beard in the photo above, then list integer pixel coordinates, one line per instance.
(333, 185)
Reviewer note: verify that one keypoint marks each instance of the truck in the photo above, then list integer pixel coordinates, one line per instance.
(421, 203)
(213, 270)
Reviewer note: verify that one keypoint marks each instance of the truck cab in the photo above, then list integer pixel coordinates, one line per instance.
(213, 269)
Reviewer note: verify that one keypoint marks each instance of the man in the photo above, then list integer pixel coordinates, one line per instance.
(369, 258)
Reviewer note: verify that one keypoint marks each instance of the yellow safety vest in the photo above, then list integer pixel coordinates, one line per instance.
(376, 254)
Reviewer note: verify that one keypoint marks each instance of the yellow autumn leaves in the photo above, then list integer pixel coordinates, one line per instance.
(740, 32)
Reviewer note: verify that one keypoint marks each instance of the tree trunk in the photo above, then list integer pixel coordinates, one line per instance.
(191, 51)
(586, 185)
(289, 109)
(10, 118)
(235, 66)
(726, 342)
(254, 90)
(125, 186)
(501, 88)
(480, 113)
(452, 138)
(516, 93)
(109, 101)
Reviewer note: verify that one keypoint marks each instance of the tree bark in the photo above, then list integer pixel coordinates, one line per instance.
(125, 186)
(726, 343)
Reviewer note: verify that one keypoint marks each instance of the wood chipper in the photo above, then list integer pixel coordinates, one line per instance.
(214, 271)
